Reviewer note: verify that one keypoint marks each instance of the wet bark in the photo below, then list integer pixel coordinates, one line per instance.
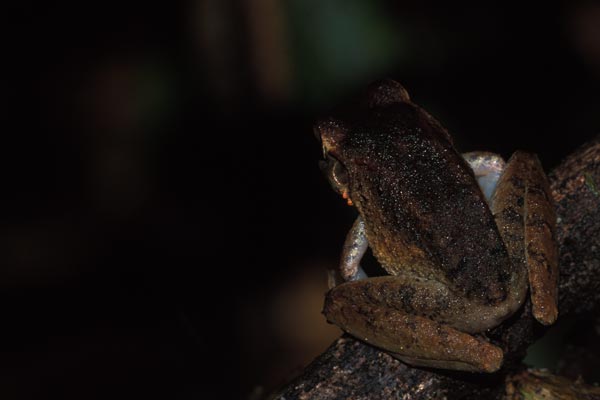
(350, 369)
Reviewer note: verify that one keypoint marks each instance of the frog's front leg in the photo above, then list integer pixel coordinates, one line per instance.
(355, 246)
(526, 218)
(418, 321)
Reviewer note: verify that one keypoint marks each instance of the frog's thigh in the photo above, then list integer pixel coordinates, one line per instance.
(487, 168)
(398, 315)
(524, 186)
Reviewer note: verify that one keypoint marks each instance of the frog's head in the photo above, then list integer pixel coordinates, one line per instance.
(342, 153)
(331, 133)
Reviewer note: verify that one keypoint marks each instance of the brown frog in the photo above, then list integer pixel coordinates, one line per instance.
(459, 263)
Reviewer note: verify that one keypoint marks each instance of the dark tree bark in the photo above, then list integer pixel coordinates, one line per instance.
(350, 369)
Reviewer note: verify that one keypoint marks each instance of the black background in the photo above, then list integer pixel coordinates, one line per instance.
(134, 243)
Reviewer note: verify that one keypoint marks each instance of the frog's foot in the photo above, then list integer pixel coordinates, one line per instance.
(526, 219)
(335, 277)
(402, 319)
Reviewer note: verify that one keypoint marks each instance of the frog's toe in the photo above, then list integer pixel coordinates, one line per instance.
(490, 363)
(546, 312)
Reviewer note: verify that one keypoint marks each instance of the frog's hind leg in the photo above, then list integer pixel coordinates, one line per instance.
(420, 322)
(526, 218)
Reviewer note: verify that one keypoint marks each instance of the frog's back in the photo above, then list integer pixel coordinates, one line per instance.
(426, 215)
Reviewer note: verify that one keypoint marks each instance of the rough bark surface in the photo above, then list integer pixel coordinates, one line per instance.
(350, 369)
(541, 385)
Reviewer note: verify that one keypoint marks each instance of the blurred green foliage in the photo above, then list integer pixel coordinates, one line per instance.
(337, 43)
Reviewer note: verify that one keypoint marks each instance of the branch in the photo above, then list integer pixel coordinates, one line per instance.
(541, 385)
(351, 369)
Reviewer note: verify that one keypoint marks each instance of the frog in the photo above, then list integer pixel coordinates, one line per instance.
(463, 238)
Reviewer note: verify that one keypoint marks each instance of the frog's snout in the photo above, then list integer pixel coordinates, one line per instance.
(330, 132)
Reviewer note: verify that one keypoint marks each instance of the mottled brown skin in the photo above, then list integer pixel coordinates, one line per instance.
(456, 267)
(523, 198)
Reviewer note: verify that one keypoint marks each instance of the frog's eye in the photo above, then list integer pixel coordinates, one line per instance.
(336, 173)
(340, 174)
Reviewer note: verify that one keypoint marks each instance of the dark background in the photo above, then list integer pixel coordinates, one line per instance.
(165, 228)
